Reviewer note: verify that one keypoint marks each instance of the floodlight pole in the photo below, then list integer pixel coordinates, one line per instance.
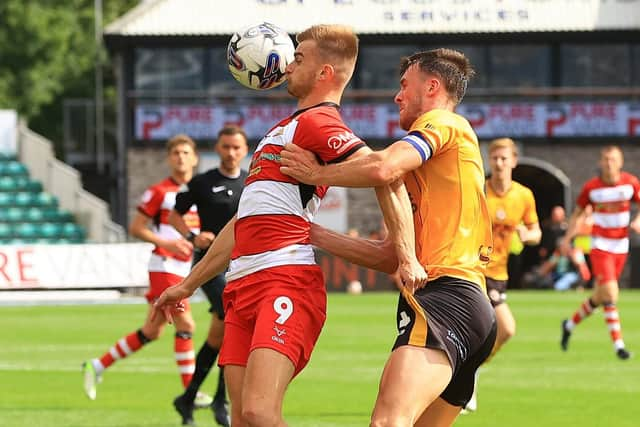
(99, 95)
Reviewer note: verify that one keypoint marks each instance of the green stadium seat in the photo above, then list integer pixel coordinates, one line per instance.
(74, 232)
(6, 157)
(7, 183)
(6, 200)
(26, 230)
(14, 168)
(6, 231)
(34, 214)
(15, 215)
(24, 199)
(45, 200)
(50, 230)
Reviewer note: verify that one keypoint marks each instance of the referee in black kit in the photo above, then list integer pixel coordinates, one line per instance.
(216, 194)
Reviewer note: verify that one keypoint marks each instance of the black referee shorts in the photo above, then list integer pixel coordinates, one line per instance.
(213, 288)
(455, 316)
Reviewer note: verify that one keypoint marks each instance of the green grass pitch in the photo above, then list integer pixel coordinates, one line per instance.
(530, 383)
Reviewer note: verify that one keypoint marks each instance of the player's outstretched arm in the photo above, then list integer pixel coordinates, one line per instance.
(372, 170)
(374, 254)
(396, 209)
(576, 216)
(213, 263)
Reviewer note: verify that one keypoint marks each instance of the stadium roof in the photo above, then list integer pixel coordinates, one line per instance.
(223, 17)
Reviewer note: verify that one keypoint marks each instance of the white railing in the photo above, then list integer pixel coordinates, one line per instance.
(64, 182)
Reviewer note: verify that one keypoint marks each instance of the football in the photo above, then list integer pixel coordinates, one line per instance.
(258, 56)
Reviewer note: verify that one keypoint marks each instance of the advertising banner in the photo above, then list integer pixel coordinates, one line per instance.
(380, 121)
(74, 266)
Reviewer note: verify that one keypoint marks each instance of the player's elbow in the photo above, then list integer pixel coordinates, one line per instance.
(383, 172)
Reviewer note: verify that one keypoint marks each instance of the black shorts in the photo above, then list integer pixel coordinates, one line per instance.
(497, 291)
(459, 320)
(213, 288)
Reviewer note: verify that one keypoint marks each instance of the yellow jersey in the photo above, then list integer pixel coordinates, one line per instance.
(514, 207)
(451, 218)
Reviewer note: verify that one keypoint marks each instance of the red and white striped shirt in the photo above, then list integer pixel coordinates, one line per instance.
(156, 203)
(611, 211)
(275, 210)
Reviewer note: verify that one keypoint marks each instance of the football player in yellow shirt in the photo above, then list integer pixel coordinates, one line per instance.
(513, 210)
(446, 329)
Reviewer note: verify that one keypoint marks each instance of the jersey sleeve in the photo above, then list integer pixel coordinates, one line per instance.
(428, 138)
(636, 190)
(185, 198)
(327, 136)
(151, 202)
(530, 214)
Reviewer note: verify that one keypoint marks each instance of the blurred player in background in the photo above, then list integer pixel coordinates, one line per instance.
(169, 263)
(513, 210)
(275, 299)
(216, 194)
(610, 196)
(446, 329)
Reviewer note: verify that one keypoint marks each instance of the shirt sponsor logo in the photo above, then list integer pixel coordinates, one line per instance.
(342, 141)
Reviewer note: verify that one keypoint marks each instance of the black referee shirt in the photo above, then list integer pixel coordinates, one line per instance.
(216, 197)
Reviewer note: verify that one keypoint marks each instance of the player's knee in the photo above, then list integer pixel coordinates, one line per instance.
(256, 415)
(390, 420)
(214, 338)
(151, 334)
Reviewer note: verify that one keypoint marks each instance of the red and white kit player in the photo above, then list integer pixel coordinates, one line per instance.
(170, 262)
(276, 294)
(275, 298)
(610, 195)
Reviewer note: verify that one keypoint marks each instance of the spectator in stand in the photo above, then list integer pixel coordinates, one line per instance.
(565, 268)
(552, 230)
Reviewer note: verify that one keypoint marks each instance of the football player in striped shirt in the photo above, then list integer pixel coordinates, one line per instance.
(610, 195)
(169, 263)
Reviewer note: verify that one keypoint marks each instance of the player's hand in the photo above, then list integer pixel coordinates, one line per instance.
(523, 232)
(204, 239)
(413, 275)
(181, 247)
(635, 225)
(171, 299)
(299, 163)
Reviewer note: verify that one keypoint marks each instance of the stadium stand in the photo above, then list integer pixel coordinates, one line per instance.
(30, 215)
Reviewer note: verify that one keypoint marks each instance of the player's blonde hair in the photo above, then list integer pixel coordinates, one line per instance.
(337, 44)
(179, 140)
(504, 143)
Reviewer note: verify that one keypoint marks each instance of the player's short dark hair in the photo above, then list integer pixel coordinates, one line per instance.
(231, 130)
(179, 140)
(451, 66)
